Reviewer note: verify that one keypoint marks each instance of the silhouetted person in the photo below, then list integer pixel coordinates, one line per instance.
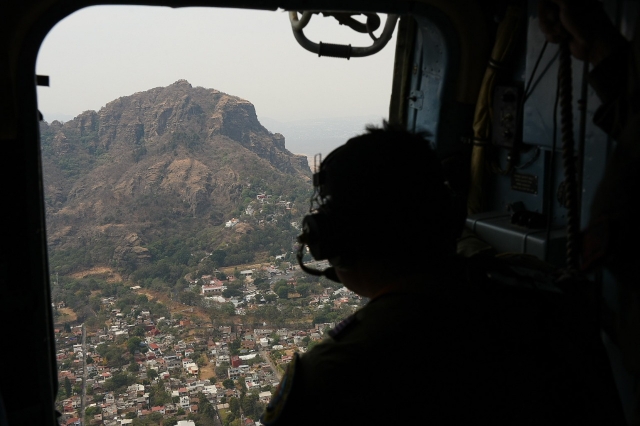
(438, 342)
(611, 238)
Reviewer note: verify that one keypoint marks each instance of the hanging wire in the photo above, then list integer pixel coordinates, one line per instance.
(529, 87)
(568, 159)
(530, 161)
(527, 92)
(495, 166)
(550, 181)
(533, 85)
(582, 104)
(535, 68)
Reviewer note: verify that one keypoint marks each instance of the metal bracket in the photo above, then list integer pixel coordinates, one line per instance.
(42, 80)
(415, 99)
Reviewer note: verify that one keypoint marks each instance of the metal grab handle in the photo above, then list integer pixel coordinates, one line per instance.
(339, 50)
(299, 24)
(372, 23)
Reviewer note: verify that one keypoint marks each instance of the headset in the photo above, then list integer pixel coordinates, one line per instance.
(338, 225)
(321, 228)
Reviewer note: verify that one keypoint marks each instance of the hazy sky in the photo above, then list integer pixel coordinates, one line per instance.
(104, 52)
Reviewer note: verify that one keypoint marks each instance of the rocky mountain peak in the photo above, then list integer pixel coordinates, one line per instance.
(177, 151)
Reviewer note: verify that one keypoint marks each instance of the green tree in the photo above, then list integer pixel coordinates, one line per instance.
(228, 383)
(170, 421)
(262, 284)
(251, 407)
(112, 354)
(155, 417)
(202, 360)
(281, 289)
(67, 387)
(228, 309)
(218, 257)
(90, 412)
(221, 371)
(234, 406)
(232, 290)
(138, 331)
(133, 344)
(275, 338)
(158, 395)
(189, 298)
(118, 382)
(95, 303)
(229, 420)
(152, 374)
(303, 289)
(205, 408)
(234, 347)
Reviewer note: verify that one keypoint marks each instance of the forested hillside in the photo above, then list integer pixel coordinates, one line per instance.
(170, 181)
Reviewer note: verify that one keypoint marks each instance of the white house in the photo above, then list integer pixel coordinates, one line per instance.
(184, 402)
(264, 397)
(246, 357)
(192, 368)
(222, 358)
(230, 224)
(213, 289)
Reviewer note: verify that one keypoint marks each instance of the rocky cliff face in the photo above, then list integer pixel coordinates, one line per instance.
(155, 156)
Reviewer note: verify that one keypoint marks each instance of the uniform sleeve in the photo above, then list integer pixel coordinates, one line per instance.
(286, 406)
(613, 80)
(616, 81)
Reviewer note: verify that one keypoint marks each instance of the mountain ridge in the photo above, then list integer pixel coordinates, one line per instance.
(150, 160)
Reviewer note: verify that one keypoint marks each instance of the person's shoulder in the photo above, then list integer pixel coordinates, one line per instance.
(343, 327)
(395, 307)
(282, 395)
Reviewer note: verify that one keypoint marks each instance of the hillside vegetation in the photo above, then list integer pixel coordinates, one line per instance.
(172, 181)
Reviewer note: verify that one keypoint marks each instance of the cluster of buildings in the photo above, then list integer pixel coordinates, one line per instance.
(188, 361)
(161, 360)
(281, 208)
